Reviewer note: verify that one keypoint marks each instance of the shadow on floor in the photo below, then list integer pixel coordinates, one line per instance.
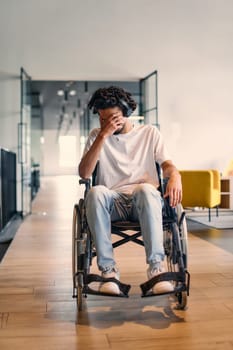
(219, 237)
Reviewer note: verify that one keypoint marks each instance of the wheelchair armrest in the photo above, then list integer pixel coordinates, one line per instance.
(87, 183)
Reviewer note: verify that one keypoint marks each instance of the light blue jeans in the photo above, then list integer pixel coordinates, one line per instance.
(144, 205)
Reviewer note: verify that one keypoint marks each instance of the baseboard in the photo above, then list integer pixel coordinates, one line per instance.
(10, 229)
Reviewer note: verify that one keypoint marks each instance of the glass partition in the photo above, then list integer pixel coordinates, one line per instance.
(24, 142)
(149, 98)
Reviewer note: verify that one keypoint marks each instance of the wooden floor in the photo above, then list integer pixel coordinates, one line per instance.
(37, 310)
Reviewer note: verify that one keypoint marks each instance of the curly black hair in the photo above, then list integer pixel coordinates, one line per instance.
(111, 97)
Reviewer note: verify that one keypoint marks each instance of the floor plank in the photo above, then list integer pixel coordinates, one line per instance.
(36, 306)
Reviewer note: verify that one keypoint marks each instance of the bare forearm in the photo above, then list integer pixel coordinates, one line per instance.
(169, 170)
(174, 185)
(89, 160)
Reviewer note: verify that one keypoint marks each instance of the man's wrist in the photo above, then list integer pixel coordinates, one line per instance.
(102, 136)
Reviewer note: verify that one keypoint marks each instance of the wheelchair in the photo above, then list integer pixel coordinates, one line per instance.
(175, 246)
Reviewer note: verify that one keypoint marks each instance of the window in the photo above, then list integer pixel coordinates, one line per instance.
(67, 151)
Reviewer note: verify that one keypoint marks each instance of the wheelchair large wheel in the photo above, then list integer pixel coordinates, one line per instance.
(183, 233)
(182, 296)
(176, 248)
(77, 258)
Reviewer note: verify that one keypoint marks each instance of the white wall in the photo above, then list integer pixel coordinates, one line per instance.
(195, 112)
(189, 42)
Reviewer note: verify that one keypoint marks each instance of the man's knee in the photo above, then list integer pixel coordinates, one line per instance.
(145, 190)
(96, 193)
(147, 196)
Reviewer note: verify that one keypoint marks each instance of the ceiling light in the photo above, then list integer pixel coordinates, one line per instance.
(60, 92)
(72, 92)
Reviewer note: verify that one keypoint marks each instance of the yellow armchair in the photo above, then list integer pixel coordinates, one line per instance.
(201, 188)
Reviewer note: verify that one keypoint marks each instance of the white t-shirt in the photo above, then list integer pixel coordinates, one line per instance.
(129, 159)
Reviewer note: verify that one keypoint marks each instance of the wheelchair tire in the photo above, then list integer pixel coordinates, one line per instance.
(76, 259)
(183, 234)
(182, 300)
(182, 297)
(179, 229)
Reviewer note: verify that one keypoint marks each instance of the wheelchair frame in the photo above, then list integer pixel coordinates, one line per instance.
(175, 246)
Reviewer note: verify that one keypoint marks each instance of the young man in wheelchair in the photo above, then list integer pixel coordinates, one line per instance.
(127, 183)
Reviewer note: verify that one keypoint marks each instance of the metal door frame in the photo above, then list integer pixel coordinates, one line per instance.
(143, 93)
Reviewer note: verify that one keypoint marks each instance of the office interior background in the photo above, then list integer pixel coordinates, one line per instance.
(69, 48)
(176, 57)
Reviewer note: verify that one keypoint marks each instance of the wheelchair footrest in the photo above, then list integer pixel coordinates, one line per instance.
(124, 288)
(166, 276)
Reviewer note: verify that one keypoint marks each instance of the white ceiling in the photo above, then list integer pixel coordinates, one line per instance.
(112, 39)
